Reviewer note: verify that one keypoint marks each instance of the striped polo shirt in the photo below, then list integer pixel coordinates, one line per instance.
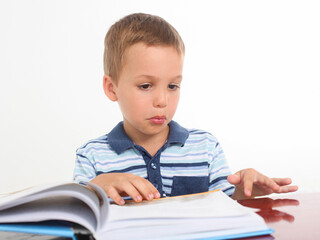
(190, 161)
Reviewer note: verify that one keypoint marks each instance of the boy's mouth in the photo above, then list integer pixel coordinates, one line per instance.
(158, 119)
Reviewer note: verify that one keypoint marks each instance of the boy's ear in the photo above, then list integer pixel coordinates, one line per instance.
(109, 88)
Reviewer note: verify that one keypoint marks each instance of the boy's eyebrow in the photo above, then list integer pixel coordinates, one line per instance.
(179, 77)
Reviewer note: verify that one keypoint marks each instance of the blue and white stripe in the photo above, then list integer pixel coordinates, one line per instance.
(200, 156)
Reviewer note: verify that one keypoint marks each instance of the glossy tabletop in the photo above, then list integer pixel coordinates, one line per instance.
(294, 216)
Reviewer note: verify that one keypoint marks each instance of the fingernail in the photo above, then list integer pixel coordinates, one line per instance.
(248, 192)
(138, 198)
(150, 196)
(157, 195)
(121, 202)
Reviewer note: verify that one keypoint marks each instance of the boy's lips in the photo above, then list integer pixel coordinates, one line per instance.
(158, 119)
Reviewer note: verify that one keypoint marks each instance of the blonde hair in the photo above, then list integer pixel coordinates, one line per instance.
(139, 27)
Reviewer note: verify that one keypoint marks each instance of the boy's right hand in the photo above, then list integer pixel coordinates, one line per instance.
(126, 184)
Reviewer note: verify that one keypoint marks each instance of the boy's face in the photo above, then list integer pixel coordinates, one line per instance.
(148, 89)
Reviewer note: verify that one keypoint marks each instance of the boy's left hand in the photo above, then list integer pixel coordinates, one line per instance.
(250, 183)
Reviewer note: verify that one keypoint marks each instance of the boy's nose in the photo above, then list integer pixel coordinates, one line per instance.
(161, 99)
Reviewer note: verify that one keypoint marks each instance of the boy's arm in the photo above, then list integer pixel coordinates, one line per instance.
(250, 183)
(114, 184)
(219, 169)
(126, 184)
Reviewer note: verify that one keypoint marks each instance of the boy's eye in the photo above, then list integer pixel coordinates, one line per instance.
(145, 86)
(173, 86)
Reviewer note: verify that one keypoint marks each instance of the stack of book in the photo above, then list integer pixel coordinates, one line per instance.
(71, 210)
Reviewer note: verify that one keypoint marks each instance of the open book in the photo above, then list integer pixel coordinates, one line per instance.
(206, 215)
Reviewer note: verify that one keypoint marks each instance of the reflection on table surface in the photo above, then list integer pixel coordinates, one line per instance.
(294, 216)
(266, 208)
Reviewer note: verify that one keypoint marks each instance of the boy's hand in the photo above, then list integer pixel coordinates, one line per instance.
(126, 184)
(250, 183)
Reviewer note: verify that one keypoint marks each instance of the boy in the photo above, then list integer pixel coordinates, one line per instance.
(148, 155)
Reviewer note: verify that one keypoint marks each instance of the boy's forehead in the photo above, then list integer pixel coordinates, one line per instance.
(177, 78)
(142, 47)
(147, 61)
(143, 53)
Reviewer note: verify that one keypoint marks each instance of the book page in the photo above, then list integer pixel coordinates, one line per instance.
(195, 228)
(57, 208)
(104, 207)
(210, 214)
(212, 204)
(30, 203)
(52, 190)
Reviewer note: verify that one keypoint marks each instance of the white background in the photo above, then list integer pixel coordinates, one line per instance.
(251, 78)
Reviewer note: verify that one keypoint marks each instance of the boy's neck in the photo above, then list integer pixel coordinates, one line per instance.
(151, 143)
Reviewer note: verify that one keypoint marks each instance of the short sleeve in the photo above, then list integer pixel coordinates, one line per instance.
(84, 169)
(219, 171)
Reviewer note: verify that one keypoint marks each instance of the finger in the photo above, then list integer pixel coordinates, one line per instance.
(233, 179)
(128, 188)
(153, 190)
(267, 182)
(287, 189)
(114, 195)
(282, 181)
(248, 179)
(144, 187)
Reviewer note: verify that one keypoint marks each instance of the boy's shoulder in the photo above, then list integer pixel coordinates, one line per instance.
(96, 143)
(199, 134)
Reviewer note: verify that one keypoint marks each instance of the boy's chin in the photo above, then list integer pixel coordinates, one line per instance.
(154, 129)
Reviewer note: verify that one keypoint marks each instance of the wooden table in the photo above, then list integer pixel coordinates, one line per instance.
(294, 216)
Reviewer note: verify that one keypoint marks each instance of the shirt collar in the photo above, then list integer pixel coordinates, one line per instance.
(119, 140)
(177, 134)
